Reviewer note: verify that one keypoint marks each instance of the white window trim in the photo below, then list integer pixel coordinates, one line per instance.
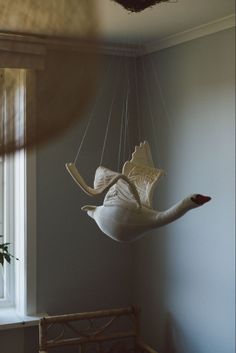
(25, 221)
(25, 212)
(31, 201)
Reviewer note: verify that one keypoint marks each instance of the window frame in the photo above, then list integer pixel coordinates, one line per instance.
(20, 191)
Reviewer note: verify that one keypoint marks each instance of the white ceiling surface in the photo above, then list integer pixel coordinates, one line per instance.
(160, 21)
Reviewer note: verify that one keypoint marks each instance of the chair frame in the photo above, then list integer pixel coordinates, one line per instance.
(96, 335)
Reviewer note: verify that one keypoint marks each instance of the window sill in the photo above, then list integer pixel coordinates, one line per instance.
(10, 319)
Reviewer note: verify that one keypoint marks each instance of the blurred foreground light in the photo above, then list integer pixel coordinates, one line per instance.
(58, 93)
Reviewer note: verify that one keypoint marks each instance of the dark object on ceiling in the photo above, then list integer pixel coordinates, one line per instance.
(138, 5)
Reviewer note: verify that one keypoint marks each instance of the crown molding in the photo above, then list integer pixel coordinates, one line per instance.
(16, 52)
(167, 42)
(39, 45)
(191, 34)
(35, 44)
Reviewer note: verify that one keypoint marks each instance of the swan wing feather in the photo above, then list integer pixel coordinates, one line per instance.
(141, 172)
(145, 180)
(103, 177)
(142, 155)
(120, 194)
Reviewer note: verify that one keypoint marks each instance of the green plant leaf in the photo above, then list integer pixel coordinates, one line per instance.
(7, 257)
(4, 253)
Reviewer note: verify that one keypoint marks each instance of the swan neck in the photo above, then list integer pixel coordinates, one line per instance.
(175, 212)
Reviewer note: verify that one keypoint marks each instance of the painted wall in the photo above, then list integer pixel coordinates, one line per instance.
(181, 275)
(185, 271)
(81, 268)
(78, 268)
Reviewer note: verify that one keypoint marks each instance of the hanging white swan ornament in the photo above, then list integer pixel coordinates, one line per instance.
(127, 211)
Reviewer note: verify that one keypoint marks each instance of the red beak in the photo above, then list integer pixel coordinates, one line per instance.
(200, 199)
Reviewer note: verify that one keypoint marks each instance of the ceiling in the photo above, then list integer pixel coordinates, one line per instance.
(80, 18)
(160, 21)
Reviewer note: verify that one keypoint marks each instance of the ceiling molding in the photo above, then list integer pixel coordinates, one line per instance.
(36, 44)
(170, 41)
(41, 44)
(16, 53)
(191, 34)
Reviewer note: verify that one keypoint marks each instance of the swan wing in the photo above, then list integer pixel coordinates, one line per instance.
(145, 180)
(120, 189)
(141, 172)
(142, 155)
(104, 181)
(103, 177)
(120, 194)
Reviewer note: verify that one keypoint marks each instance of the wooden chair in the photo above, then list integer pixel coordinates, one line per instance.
(100, 330)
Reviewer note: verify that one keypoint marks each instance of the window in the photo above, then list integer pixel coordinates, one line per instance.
(7, 197)
(1, 222)
(17, 196)
(7, 224)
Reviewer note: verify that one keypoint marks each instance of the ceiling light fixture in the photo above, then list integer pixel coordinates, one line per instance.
(138, 5)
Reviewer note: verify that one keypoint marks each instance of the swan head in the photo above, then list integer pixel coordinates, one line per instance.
(199, 199)
(89, 209)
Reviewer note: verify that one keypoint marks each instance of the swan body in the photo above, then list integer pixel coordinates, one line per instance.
(125, 224)
(127, 213)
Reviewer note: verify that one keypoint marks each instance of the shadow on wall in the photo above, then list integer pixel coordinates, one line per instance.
(173, 336)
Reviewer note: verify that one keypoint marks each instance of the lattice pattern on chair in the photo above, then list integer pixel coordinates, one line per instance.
(105, 331)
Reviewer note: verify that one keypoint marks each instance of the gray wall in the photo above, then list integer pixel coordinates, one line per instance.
(185, 271)
(182, 275)
(78, 267)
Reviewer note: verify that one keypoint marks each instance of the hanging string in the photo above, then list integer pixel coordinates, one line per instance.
(125, 126)
(109, 118)
(121, 131)
(160, 90)
(99, 95)
(150, 111)
(127, 147)
(137, 101)
(126, 121)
